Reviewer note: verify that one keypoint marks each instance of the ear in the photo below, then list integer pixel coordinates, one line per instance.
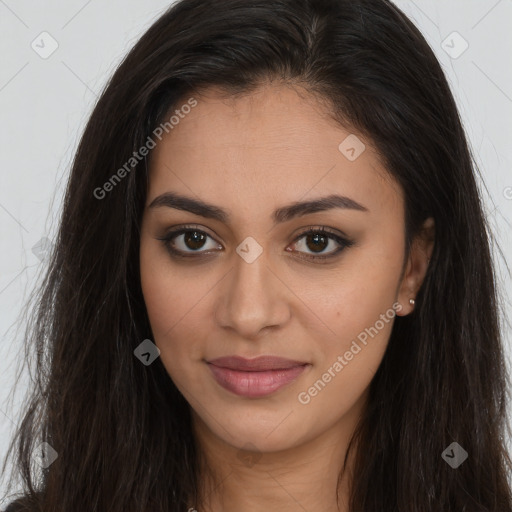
(416, 266)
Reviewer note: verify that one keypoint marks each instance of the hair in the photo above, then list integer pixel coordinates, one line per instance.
(122, 430)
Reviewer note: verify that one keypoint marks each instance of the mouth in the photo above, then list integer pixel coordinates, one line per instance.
(257, 377)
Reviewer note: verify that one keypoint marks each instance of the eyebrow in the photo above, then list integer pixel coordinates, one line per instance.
(283, 214)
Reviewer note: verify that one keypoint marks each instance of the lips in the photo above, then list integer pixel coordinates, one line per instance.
(258, 364)
(255, 378)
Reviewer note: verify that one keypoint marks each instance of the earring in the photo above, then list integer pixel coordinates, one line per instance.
(411, 302)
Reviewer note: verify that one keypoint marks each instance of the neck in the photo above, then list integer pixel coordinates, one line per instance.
(303, 477)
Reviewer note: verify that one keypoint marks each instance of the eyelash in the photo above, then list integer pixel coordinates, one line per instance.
(343, 242)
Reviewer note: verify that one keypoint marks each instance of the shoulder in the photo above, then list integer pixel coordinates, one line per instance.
(15, 506)
(25, 503)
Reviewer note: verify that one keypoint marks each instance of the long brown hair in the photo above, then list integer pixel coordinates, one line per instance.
(121, 429)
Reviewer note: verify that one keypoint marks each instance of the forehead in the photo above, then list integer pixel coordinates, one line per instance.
(275, 145)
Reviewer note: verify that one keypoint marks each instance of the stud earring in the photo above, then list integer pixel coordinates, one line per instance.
(411, 302)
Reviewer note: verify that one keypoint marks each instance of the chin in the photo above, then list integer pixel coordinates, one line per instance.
(270, 435)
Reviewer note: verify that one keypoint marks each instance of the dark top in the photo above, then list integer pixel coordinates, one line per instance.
(13, 507)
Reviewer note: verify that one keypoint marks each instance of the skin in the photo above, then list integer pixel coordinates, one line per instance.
(250, 156)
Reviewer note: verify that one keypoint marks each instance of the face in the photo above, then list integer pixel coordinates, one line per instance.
(247, 277)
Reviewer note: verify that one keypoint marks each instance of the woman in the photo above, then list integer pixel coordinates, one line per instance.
(272, 285)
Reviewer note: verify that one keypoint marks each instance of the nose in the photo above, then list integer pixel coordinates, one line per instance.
(252, 299)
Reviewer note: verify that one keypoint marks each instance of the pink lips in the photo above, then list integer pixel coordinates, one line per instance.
(255, 377)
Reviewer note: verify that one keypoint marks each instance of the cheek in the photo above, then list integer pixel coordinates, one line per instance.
(352, 297)
(166, 309)
(355, 309)
(161, 289)
(169, 290)
(176, 303)
(346, 363)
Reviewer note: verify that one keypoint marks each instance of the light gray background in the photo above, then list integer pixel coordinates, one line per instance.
(44, 104)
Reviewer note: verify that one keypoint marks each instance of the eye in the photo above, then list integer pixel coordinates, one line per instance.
(186, 241)
(318, 240)
(191, 242)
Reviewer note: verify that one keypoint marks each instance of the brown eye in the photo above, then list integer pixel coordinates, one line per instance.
(314, 244)
(194, 239)
(186, 241)
(317, 241)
